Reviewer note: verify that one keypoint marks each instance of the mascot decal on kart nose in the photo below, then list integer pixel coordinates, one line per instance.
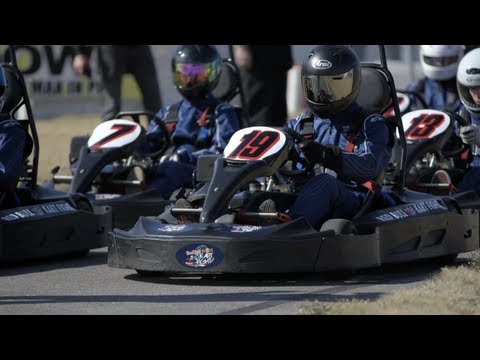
(199, 256)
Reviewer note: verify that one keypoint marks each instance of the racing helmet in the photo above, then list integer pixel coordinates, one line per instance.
(331, 77)
(468, 76)
(196, 70)
(3, 88)
(440, 62)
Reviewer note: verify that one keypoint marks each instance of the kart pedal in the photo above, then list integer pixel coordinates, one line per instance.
(184, 204)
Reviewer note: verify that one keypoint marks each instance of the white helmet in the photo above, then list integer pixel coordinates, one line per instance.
(440, 62)
(468, 76)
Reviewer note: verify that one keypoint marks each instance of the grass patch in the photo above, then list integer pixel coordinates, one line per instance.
(454, 291)
(55, 136)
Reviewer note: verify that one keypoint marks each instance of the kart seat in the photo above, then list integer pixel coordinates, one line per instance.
(375, 95)
(229, 86)
(374, 90)
(229, 83)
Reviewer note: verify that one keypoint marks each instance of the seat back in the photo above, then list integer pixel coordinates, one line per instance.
(229, 83)
(374, 90)
(230, 86)
(13, 92)
(375, 95)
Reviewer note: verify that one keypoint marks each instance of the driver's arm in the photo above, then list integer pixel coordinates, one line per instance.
(154, 134)
(372, 156)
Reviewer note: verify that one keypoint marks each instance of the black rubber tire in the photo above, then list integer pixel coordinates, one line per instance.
(147, 273)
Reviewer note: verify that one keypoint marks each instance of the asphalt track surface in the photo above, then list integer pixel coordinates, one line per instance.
(87, 286)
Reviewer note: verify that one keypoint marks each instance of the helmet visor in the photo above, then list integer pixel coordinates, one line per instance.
(323, 90)
(440, 61)
(190, 76)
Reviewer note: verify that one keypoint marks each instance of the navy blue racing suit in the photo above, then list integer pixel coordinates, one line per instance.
(438, 95)
(471, 179)
(325, 196)
(195, 133)
(13, 154)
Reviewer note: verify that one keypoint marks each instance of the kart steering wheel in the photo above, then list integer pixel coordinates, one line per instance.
(462, 122)
(297, 138)
(135, 116)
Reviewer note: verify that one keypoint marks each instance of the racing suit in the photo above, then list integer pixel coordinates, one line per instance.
(198, 130)
(15, 146)
(471, 179)
(438, 95)
(325, 196)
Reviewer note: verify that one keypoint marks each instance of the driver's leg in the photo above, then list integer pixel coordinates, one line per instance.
(324, 197)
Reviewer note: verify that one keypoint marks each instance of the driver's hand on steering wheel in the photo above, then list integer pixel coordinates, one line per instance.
(329, 156)
(177, 156)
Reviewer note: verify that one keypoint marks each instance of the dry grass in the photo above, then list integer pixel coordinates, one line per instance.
(454, 291)
(55, 136)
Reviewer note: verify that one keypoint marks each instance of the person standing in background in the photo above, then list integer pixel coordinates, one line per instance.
(264, 76)
(114, 61)
(438, 86)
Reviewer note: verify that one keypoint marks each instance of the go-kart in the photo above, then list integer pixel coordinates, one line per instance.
(218, 228)
(42, 222)
(109, 168)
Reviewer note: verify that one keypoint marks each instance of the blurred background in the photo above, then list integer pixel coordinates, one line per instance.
(66, 105)
(56, 91)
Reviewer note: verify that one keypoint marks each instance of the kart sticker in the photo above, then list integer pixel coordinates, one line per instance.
(244, 228)
(403, 104)
(114, 134)
(425, 124)
(172, 228)
(106, 196)
(255, 143)
(199, 256)
(432, 206)
(36, 211)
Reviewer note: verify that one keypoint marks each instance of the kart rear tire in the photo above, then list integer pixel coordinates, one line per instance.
(147, 273)
(341, 227)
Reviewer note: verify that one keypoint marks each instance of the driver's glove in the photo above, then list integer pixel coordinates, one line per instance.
(470, 134)
(329, 156)
(178, 156)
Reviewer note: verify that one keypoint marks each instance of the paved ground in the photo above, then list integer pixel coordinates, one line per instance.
(87, 286)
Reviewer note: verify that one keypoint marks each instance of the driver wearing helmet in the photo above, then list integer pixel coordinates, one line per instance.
(438, 88)
(14, 143)
(468, 83)
(339, 134)
(199, 124)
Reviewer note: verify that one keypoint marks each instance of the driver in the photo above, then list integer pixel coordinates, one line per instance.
(14, 145)
(353, 143)
(438, 87)
(199, 124)
(468, 83)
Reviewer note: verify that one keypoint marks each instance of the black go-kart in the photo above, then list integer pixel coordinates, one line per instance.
(218, 229)
(431, 146)
(43, 222)
(109, 168)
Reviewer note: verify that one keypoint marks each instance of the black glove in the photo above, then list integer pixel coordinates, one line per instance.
(329, 156)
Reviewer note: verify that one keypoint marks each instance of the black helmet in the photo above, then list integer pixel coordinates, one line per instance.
(331, 77)
(3, 88)
(196, 70)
